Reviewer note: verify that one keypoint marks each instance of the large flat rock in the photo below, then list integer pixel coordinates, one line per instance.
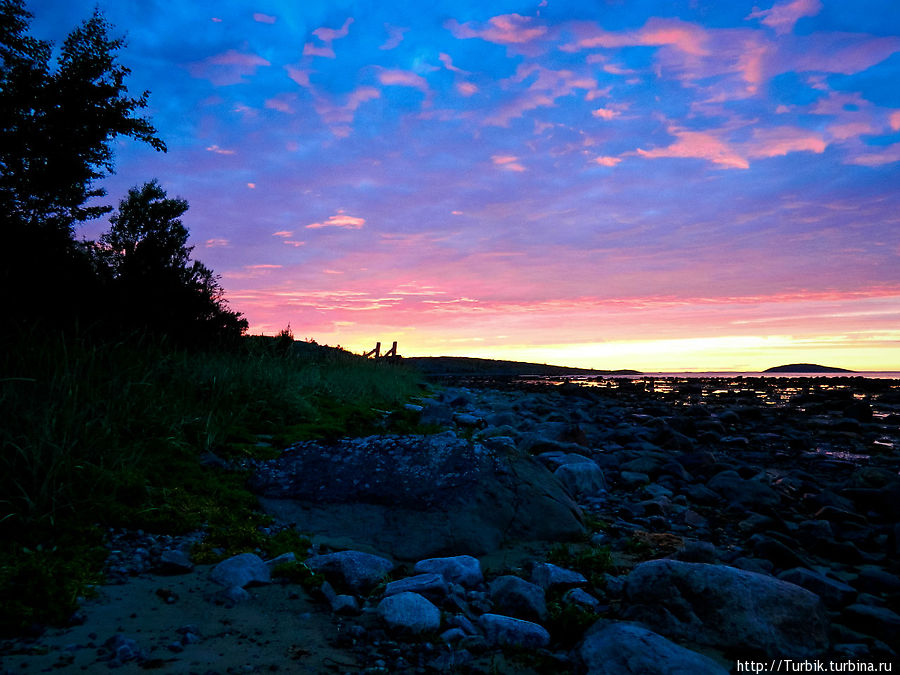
(414, 497)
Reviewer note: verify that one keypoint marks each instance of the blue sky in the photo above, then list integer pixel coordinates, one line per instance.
(656, 185)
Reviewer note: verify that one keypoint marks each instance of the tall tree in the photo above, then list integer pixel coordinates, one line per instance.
(157, 284)
(58, 120)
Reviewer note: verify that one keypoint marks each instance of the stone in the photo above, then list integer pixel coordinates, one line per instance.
(414, 497)
(880, 622)
(460, 569)
(432, 586)
(581, 478)
(583, 599)
(241, 570)
(357, 570)
(506, 631)
(633, 479)
(519, 598)
(549, 577)
(409, 613)
(625, 649)
(175, 561)
(834, 593)
(748, 493)
(726, 607)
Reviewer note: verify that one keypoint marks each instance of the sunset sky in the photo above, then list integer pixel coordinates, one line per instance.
(649, 184)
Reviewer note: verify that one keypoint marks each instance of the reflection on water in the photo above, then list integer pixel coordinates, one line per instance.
(775, 389)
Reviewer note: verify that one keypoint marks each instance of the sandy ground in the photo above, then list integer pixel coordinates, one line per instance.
(280, 629)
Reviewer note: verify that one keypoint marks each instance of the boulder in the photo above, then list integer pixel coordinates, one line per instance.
(516, 597)
(409, 613)
(459, 569)
(432, 586)
(356, 570)
(505, 631)
(241, 570)
(549, 576)
(414, 497)
(581, 478)
(726, 607)
(626, 649)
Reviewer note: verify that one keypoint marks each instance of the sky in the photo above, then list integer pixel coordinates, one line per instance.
(650, 184)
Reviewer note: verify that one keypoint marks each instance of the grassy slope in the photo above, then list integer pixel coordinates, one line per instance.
(95, 434)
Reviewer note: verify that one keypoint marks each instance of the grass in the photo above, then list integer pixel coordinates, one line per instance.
(97, 434)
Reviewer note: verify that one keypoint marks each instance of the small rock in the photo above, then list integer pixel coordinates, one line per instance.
(409, 612)
(834, 593)
(358, 570)
(583, 599)
(549, 576)
(432, 586)
(460, 569)
(175, 561)
(241, 570)
(505, 631)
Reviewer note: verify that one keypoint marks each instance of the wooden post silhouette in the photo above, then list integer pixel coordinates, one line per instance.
(391, 353)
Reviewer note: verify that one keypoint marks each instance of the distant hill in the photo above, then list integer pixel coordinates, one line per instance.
(462, 365)
(806, 368)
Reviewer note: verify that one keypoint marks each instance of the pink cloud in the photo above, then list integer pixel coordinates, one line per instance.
(264, 18)
(895, 120)
(216, 243)
(781, 18)
(330, 34)
(687, 37)
(843, 131)
(845, 53)
(402, 78)
(607, 161)
(298, 75)
(339, 117)
(542, 92)
(340, 220)
(506, 29)
(281, 103)
(309, 49)
(230, 67)
(698, 145)
(466, 88)
(604, 113)
(395, 37)
(448, 64)
(283, 233)
(886, 155)
(326, 36)
(780, 141)
(219, 151)
(507, 162)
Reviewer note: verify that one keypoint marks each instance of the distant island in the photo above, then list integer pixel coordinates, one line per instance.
(806, 368)
(463, 365)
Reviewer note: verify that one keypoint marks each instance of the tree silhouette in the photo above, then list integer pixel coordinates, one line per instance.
(58, 120)
(157, 285)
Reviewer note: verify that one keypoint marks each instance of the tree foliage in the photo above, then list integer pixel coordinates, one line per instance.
(157, 285)
(59, 118)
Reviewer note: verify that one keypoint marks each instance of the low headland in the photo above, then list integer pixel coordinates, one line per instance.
(296, 507)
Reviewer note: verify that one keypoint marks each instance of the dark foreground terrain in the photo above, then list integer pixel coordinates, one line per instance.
(646, 526)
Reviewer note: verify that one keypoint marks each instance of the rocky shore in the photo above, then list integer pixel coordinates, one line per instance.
(629, 527)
